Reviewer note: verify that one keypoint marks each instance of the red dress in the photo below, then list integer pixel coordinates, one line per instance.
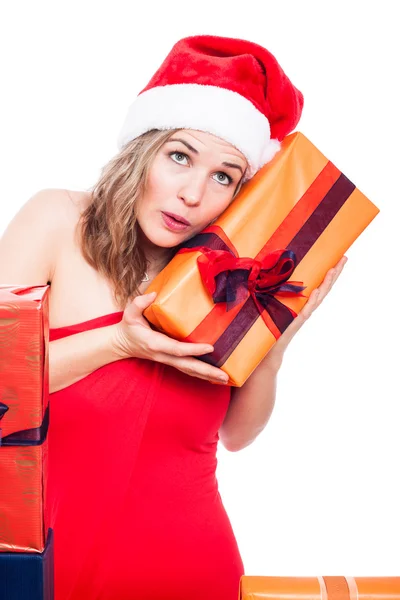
(138, 519)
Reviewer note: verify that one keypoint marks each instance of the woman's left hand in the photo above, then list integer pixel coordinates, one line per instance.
(275, 356)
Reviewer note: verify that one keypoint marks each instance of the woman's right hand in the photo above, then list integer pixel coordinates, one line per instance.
(135, 338)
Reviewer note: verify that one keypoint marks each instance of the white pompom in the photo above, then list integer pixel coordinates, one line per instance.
(269, 151)
(266, 155)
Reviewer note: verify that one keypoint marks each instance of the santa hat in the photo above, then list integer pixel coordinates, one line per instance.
(232, 88)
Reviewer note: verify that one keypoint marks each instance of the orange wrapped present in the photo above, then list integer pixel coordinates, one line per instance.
(24, 416)
(319, 588)
(240, 282)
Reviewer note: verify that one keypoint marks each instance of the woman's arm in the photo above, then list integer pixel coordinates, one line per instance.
(250, 408)
(252, 404)
(73, 357)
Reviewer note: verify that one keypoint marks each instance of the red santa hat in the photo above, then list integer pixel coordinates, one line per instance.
(232, 88)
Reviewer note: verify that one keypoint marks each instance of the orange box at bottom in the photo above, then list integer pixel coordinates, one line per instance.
(254, 587)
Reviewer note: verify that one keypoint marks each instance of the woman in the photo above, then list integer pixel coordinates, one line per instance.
(132, 495)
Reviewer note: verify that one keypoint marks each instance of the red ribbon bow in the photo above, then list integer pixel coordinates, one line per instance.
(231, 279)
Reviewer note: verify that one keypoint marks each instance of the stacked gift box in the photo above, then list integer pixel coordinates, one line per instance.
(26, 550)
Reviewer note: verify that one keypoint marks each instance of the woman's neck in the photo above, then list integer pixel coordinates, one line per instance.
(157, 256)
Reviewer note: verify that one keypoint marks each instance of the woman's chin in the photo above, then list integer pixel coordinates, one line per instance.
(166, 239)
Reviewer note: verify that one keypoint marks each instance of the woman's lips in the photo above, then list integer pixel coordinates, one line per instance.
(176, 217)
(172, 223)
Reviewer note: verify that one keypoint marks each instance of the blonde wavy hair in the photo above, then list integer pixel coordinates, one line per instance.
(109, 234)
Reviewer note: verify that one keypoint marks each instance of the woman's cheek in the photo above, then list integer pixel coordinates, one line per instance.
(223, 205)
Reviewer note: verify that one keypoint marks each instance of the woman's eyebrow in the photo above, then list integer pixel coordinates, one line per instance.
(227, 164)
(233, 165)
(183, 142)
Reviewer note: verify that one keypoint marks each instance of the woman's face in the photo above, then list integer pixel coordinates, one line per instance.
(193, 176)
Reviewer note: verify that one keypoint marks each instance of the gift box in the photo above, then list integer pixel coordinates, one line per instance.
(240, 282)
(319, 588)
(28, 576)
(24, 417)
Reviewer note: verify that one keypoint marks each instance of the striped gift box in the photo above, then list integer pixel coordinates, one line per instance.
(240, 282)
(319, 588)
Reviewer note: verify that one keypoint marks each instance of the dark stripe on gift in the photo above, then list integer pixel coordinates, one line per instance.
(28, 437)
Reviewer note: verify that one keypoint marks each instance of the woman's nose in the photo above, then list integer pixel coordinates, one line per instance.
(192, 192)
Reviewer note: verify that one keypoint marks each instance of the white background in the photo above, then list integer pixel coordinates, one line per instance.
(318, 492)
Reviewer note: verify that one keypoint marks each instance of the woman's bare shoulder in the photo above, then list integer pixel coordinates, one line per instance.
(59, 204)
(73, 202)
(36, 236)
(63, 208)
(67, 207)
(79, 199)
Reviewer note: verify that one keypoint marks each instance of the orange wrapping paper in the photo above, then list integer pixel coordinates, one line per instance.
(319, 588)
(24, 335)
(268, 214)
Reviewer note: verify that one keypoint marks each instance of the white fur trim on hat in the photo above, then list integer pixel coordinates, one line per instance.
(216, 110)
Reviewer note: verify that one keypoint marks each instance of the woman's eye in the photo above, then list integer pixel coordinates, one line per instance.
(179, 156)
(224, 178)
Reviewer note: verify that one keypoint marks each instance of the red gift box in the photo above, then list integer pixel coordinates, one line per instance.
(24, 416)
